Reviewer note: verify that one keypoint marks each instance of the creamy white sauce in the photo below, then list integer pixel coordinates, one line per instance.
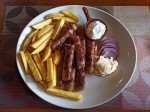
(105, 66)
(96, 30)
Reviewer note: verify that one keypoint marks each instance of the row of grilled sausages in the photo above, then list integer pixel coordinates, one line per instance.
(77, 57)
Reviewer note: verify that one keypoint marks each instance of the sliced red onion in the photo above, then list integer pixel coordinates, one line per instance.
(108, 49)
(108, 54)
(111, 50)
(108, 40)
(109, 45)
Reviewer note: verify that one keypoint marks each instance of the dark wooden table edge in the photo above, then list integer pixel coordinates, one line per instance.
(64, 110)
(2, 17)
(81, 2)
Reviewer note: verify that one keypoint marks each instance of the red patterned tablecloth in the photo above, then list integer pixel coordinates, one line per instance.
(15, 94)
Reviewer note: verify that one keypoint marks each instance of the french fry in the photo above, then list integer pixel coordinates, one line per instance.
(44, 30)
(40, 65)
(52, 82)
(57, 57)
(50, 69)
(65, 94)
(34, 38)
(42, 46)
(42, 24)
(70, 14)
(36, 43)
(34, 70)
(54, 75)
(54, 15)
(47, 53)
(58, 28)
(24, 62)
(51, 76)
(28, 40)
(67, 19)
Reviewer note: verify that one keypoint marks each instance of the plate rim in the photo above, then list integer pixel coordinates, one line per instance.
(91, 7)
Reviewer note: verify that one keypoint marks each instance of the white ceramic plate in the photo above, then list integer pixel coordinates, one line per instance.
(98, 90)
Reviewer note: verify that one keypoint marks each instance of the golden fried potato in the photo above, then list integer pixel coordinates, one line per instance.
(54, 75)
(34, 70)
(56, 57)
(70, 14)
(47, 53)
(65, 94)
(38, 42)
(58, 28)
(28, 40)
(50, 69)
(24, 60)
(54, 15)
(40, 65)
(67, 19)
(42, 24)
(44, 30)
(42, 46)
(34, 38)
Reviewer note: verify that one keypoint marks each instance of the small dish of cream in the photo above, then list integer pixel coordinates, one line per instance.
(95, 28)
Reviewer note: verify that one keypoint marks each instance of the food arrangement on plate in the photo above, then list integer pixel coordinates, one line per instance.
(59, 53)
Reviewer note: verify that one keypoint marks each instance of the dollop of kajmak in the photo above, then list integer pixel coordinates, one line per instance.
(105, 66)
(96, 30)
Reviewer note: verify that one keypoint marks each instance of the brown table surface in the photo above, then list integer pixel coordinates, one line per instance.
(4, 3)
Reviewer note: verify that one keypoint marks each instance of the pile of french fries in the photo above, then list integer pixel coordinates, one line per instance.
(37, 56)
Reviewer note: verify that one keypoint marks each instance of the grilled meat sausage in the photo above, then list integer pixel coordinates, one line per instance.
(68, 61)
(89, 67)
(69, 85)
(79, 53)
(65, 34)
(80, 79)
(59, 71)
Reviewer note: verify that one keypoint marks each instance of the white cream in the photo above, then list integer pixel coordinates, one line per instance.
(105, 66)
(96, 30)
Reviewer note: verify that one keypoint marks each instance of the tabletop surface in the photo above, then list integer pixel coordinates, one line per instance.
(140, 40)
(68, 2)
